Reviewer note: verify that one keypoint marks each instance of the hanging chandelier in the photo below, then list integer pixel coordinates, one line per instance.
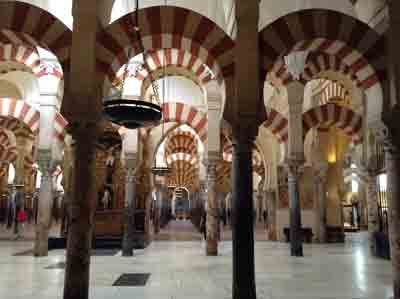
(134, 113)
(160, 170)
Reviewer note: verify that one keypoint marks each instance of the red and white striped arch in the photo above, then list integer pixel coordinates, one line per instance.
(181, 142)
(24, 23)
(167, 58)
(4, 139)
(183, 173)
(60, 123)
(29, 166)
(189, 115)
(334, 91)
(21, 54)
(10, 124)
(8, 154)
(21, 111)
(176, 156)
(334, 115)
(342, 41)
(167, 27)
(277, 124)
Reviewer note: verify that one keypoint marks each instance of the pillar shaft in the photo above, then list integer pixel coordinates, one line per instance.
(393, 194)
(82, 203)
(129, 226)
(243, 222)
(321, 204)
(212, 208)
(272, 206)
(372, 206)
(323, 238)
(296, 238)
(45, 203)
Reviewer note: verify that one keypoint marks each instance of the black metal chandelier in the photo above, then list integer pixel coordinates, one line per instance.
(160, 170)
(134, 113)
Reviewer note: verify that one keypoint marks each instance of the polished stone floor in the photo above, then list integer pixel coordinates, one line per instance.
(179, 270)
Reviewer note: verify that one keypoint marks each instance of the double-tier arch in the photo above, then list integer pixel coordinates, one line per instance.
(167, 27)
(336, 42)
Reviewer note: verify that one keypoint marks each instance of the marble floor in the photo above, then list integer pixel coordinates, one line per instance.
(179, 270)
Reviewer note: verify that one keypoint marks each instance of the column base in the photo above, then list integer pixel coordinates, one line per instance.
(272, 236)
(212, 248)
(41, 247)
(127, 253)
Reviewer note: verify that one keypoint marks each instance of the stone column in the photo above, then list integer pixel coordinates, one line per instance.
(242, 216)
(392, 159)
(45, 203)
(82, 206)
(372, 206)
(129, 221)
(296, 238)
(272, 206)
(158, 207)
(321, 212)
(20, 164)
(212, 205)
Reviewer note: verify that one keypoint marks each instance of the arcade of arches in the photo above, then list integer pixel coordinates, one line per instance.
(279, 128)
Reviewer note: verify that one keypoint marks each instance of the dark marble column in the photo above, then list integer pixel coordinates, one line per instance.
(212, 206)
(272, 207)
(129, 221)
(296, 240)
(76, 282)
(244, 286)
(320, 181)
(393, 194)
(372, 205)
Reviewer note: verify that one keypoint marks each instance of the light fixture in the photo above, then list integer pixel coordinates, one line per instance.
(157, 169)
(133, 114)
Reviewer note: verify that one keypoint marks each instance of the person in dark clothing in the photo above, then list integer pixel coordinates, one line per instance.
(223, 216)
(203, 225)
(265, 218)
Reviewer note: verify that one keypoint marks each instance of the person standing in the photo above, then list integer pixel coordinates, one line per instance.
(21, 218)
(203, 225)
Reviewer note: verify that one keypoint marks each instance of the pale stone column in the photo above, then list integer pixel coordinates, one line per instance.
(20, 164)
(272, 207)
(212, 205)
(156, 207)
(130, 190)
(45, 203)
(320, 181)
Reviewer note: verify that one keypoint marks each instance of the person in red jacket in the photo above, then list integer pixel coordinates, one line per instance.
(21, 218)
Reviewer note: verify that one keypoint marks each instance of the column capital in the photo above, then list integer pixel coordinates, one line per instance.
(296, 63)
(45, 162)
(212, 158)
(295, 167)
(130, 160)
(321, 172)
(81, 130)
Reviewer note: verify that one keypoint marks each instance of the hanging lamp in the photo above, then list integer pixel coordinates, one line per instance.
(137, 113)
(160, 170)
